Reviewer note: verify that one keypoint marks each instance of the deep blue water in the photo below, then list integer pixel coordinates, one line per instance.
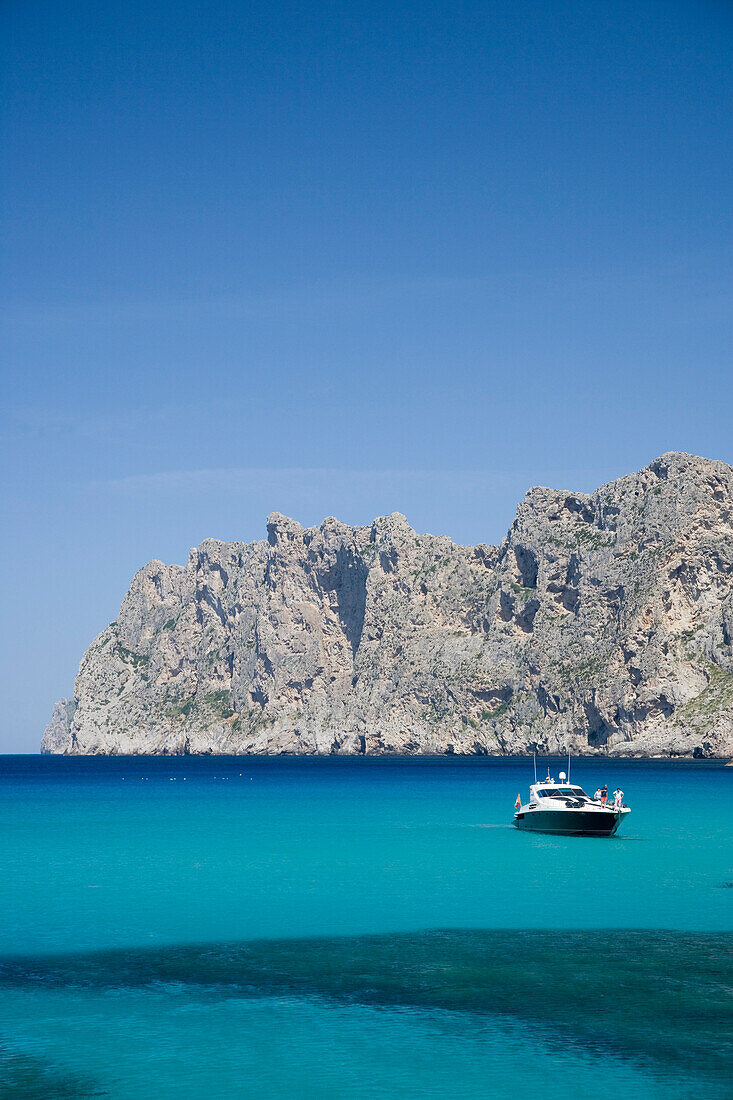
(266, 927)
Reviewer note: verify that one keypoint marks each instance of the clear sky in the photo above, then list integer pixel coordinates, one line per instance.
(341, 258)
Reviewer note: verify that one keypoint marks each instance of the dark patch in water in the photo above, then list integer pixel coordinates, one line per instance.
(31, 1079)
(650, 995)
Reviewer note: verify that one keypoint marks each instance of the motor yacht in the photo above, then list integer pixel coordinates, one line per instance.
(564, 808)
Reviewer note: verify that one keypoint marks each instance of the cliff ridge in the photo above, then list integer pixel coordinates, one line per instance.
(602, 624)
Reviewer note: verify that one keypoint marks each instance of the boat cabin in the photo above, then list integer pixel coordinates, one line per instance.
(549, 788)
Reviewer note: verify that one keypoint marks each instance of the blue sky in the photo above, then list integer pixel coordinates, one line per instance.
(341, 259)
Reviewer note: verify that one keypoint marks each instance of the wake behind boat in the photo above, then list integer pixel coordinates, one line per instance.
(565, 809)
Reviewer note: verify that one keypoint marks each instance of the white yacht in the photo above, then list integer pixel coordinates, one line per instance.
(566, 809)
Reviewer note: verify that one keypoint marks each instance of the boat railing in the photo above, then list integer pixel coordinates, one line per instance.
(586, 802)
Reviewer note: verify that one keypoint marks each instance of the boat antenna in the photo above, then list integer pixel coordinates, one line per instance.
(534, 758)
(568, 763)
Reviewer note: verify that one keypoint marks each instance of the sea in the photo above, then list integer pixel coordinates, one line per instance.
(359, 928)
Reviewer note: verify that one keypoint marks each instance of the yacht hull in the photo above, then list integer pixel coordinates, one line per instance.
(569, 822)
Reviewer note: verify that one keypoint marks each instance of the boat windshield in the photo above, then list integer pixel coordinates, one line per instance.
(562, 792)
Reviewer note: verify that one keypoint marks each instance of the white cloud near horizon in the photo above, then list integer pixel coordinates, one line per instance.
(304, 301)
(165, 480)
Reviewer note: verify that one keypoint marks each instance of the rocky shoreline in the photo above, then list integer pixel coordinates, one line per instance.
(601, 624)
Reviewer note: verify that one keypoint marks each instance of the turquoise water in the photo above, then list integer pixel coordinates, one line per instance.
(227, 926)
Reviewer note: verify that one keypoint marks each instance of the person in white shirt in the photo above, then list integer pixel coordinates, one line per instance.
(618, 797)
(597, 795)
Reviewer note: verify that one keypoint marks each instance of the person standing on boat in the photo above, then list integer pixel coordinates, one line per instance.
(618, 798)
(597, 795)
(604, 794)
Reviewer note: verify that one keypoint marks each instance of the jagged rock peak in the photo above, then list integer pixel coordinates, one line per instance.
(602, 623)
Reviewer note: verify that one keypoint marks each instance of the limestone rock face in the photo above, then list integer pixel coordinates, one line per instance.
(601, 624)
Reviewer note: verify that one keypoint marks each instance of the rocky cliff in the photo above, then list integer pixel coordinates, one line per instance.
(602, 623)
